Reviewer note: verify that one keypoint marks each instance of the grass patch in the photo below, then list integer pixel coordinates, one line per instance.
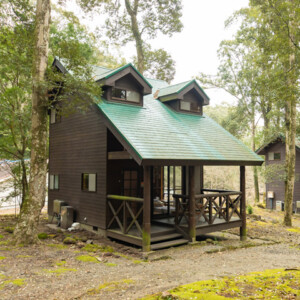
(2, 257)
(296, 230)
(17, 282)
(60, 263)
(43, 236)
(110, 286)
(111, 265)
(59, 271)
(97, 248)
(269, 284)
(87, 258)
(1, 236)
(58, 246)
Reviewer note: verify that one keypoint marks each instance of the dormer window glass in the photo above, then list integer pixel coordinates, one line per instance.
(190, 106)
(124, 95)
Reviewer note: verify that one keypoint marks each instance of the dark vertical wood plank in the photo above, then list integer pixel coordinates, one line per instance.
(192, 204)
(201, 178)
(168, 189)
(183, 180)
(243, 233)
(146, 210)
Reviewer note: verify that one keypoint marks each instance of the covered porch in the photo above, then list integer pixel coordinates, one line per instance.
(168, 213)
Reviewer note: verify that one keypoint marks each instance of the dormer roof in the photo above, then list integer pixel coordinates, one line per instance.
(177, 91)
(108, 77)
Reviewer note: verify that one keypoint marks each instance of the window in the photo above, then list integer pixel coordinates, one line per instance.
(190, 106)
(88, 182)
(53, 116)
(130, 183)
(54, 182)
(124, 95)
(274, 156)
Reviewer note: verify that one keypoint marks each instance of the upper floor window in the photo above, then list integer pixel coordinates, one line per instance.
(125, 95)
(274, 156)
(54, 116)
(190, 106)
(88, 182)
(54, 182)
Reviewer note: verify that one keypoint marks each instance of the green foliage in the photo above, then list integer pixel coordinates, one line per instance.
(249, 209)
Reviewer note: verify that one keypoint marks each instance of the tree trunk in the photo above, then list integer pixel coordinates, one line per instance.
(24, 181)
(290, 131)
(136, 34)
(26, 228)
(255, 173)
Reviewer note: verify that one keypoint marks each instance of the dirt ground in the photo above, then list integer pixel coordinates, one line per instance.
(109, 270)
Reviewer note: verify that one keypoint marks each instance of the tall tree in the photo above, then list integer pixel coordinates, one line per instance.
(283, 19)
(139, 21)
(31, 209)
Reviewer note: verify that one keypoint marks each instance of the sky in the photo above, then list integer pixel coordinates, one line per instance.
(195, 48)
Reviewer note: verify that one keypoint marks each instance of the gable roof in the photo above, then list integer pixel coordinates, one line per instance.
(173, 91)
(101, 73)
(156, 134)
(275, 139)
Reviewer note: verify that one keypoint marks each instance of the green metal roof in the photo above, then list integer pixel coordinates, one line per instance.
(177, 88)
(155, 131)
(101, 73)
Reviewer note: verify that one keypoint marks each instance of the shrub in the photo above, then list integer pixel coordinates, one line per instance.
(249, 210)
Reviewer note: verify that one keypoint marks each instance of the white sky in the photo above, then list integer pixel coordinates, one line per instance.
(195, 48)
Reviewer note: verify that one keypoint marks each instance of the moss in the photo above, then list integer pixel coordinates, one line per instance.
(43, 236)
(87, 258)
(58, 246)
(269, 284)
(296, 230)
(17, 282)
(110, 286)
(69, 240)
(9, 229)
(111, 265)
(1, 236)
(60, 263)
(59, 271)
(164, 257)
(2, 257)
(97, 248)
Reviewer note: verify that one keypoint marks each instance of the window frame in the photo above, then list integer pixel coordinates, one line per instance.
(191, 110)
(88, 183)
(122, 100)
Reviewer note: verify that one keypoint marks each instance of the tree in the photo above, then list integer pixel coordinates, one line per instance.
(138, 21)
(25, 231)
(283, 19)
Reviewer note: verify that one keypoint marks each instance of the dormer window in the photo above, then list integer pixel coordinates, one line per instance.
(190, 106)
(125, 95)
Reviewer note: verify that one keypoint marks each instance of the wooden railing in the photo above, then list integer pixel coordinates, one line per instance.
(216, 204)
(125, 213)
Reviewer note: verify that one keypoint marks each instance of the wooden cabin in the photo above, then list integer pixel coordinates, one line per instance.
(132, 166)
(274, 152)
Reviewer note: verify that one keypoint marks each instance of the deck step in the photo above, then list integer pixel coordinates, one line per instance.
(165, 237)
(167, 244)
(163, 232)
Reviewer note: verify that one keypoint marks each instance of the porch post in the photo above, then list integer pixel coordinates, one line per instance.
(243, 232)
(192, 204)
(146, 210)
(201, 178)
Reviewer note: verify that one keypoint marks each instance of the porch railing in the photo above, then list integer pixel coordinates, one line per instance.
(125, 212)
(209, 206)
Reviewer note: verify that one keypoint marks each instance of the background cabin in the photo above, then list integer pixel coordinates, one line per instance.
(131, 167)
(274, 152)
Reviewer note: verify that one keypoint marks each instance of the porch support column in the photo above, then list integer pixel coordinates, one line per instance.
(192, 205)
(146, 211)
(243, 232)
(201, 178)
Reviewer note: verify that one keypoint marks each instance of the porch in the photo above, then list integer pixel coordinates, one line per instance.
(132, 219)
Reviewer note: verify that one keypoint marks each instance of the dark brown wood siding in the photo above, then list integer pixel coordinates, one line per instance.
(78, 145)
(278, 187)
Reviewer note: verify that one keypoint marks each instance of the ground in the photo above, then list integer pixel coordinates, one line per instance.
(109, 270)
